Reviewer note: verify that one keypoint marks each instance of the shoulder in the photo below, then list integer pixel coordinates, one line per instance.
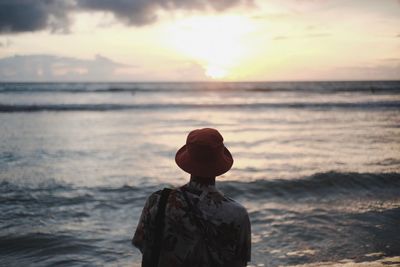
(153, 198)
(155, 195)
(235, 209)
(239, 208)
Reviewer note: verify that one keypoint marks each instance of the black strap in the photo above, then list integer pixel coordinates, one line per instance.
(159, 224)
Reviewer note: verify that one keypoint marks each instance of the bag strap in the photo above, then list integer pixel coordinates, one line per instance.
(159, 224)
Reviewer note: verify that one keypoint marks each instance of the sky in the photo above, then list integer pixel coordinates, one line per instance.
(199, 40)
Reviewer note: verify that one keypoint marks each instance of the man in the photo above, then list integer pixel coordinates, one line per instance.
(201, 227)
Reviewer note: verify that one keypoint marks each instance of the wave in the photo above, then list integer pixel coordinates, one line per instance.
(151, 87)
(319, 184)
(40, 225)
(49, 249)
(115, 107)
(60, 224)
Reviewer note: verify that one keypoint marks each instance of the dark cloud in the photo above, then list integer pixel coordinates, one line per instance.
(141, 12)
(54, 68)
(33, 15)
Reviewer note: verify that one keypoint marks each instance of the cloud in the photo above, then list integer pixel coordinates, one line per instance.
(54, 68)
(184, 71)
(141, 12)
(388, 71)
(281, 37)
(391, 59)
(6, 43)
(312, 35)
(33, 15)
(317, 35)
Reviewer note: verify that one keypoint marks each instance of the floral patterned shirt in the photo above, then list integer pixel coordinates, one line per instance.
(225, 239)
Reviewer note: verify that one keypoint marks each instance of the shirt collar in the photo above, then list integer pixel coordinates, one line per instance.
(195, 186)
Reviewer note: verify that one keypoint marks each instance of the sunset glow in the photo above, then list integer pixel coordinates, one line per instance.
(201, 41)
(216, 72)
(215, 42)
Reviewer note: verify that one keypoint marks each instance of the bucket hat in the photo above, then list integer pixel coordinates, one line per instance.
(204, 154)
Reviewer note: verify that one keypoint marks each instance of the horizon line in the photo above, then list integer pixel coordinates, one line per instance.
(210, 81)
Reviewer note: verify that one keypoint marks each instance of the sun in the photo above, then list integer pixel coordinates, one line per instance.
(216, 72)
(215, 42)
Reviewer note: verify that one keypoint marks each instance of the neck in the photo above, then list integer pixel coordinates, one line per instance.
(203, 180)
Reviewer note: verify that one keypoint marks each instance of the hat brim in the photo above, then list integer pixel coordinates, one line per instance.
(219, 166)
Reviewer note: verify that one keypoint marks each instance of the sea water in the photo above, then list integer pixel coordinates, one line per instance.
(317, 165)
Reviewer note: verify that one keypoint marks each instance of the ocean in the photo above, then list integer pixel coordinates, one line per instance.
(317, 165)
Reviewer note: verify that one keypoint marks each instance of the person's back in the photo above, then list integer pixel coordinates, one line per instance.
(202, 227)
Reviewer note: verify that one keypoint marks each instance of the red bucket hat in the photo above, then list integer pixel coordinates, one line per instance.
(204, 154)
